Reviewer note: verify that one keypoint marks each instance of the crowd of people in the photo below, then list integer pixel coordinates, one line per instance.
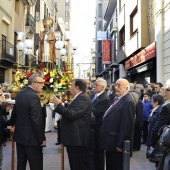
(93, 126)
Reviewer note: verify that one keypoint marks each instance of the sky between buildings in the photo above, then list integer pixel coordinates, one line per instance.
(83, 28)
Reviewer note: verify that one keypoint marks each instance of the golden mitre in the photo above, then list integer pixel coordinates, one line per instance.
(48, 21)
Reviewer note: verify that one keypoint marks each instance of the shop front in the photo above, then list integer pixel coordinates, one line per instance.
(142, 66)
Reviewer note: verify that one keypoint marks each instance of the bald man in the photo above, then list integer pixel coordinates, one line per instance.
(117, 125)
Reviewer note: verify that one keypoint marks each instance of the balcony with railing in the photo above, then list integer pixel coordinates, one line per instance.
(7, 52)
(30, 24)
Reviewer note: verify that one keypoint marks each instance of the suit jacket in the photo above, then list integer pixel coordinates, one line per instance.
(99, 106)
(29, 123)
(163, 119)
(112, 97)
(75, 121)
(118, 123)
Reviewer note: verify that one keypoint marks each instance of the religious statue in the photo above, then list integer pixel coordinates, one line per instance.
(46, 52)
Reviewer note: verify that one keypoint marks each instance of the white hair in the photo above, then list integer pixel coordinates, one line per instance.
(168, 83)
(102, 82)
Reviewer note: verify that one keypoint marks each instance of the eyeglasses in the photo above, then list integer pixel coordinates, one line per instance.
(96, 84)
(39, 82)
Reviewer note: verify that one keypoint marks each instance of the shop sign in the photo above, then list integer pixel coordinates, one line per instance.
(144, 55)
(106, 52)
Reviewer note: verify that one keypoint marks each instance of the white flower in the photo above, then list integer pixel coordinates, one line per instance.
(25, 81)
(56, 89)
(21, 85)
(51, 80)
(51, 86)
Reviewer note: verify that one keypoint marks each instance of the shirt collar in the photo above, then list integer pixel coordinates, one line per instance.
(119, 97)
(77, 95)
(98, 94)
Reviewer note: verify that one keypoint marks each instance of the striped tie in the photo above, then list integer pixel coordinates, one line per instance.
(107, 111)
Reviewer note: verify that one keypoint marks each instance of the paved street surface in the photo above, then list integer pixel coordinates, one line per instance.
(52, 156)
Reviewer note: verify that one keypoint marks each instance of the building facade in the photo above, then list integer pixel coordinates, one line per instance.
(15, 16)
(140, 42)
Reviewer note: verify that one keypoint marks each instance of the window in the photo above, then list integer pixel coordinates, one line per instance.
(133, 22)
(67, 4)
(122, 36)
(100, 11)
(66, 25)
(17, 6)
(3, 45)
(37, 16)
(67, 14)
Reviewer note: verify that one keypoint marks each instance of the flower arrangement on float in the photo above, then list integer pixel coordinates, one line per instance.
(55, 81)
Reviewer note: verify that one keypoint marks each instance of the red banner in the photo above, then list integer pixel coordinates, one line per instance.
(144, 55)
(106, 52)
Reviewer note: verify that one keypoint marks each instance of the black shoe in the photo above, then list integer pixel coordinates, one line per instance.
(57, 143)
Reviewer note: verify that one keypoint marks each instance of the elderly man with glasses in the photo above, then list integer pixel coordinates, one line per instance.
(29, 132)
(100, 103)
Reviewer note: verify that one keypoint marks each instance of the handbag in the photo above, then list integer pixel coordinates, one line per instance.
(154, 153)
(165, 135)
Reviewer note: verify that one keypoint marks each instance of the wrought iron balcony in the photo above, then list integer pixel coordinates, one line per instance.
(30, 23)
(7, 52)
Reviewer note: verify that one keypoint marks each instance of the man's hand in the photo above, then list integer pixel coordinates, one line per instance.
(43, 144)
(119, 149)
(56, 101)
(2, 98)
(9, 107)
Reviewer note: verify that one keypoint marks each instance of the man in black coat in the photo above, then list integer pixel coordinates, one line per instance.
(117, 125)
(29, 132)
(75, 125)
(100, 103)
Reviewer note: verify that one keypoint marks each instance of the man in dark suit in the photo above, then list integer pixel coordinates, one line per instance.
(29, 132)
(75, 125)
(100, 103)
(117, 125)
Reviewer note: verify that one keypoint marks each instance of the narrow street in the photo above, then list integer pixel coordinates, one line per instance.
(52, 156)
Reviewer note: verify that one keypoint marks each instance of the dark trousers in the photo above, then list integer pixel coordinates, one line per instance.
(33, 154)
(77, 157)
(114, 160)
(90, 152)
(99, 155)
(145, 130)
(137, 138)
(59, 138)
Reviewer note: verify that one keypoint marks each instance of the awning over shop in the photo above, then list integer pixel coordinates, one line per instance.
(144, 55)
(140, 69)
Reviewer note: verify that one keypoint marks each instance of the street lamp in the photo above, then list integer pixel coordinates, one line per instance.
(28, 44)
(59, 45)
(25, 46)
(20, 46)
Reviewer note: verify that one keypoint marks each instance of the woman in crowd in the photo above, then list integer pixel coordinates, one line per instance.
(157, 101)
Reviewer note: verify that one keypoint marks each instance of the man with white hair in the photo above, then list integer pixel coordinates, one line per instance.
(117, 125)
(100, 103)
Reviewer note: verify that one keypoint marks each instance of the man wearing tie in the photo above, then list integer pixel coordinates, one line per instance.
(117, 125)
(100, 103)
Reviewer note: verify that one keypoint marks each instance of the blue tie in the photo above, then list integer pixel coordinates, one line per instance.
(95, 96)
